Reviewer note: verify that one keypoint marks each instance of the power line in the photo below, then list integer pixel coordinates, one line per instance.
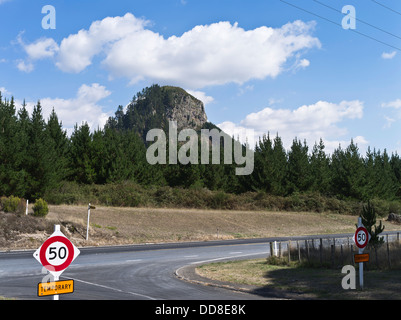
(337, 24)
(388, 8)
(360, 20)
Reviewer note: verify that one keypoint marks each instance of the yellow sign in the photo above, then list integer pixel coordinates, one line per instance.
(55, 288)
(359, 258)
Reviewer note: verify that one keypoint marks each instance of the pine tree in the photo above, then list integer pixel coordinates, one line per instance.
(80, 155)
(368, 216)
(298, 173)
(279, 167)
(320, 169)
(41, 157)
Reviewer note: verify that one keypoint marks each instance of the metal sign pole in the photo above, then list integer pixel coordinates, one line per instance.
(360, 251)
(56, 277)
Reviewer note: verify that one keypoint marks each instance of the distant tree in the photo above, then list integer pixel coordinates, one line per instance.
(298, 171)
(319, 169)
(369, 216)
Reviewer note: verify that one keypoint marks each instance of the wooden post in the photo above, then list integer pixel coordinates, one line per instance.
(307, 249)
(321, 251)
(299, 251)
(271, 249)
(279, 250)
(388, 253)
(289, 251)
(332, 255)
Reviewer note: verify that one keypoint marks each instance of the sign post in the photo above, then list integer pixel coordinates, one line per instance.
(89, 214)
(56, 254)
(361, 239)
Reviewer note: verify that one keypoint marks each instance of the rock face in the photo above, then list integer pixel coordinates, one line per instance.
(155, 107)
(188, 111)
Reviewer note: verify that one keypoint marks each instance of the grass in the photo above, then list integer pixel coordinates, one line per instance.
(308, 280)
(121, 225)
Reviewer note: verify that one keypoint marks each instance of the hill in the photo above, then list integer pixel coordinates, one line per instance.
(155, 106)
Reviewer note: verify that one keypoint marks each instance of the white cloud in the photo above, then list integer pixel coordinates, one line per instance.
(396, 104)
(41, 49)
(4, 91)
(82, 108)
(388, 55)
(25, 66)
(395, 113)
(77, 50)
(213, 54)
(208, 55)
(200, 95)
(310, 122)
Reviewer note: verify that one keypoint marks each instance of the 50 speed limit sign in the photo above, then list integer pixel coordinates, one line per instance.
(361, 237)
(56, 253)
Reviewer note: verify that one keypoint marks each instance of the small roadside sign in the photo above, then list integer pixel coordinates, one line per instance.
(56, 253)
(358, 258)
(361, 237)
(55, 288)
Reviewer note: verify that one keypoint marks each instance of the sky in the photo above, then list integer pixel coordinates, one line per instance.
(296, 68)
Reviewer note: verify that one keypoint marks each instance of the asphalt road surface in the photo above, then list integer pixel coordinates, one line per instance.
(139, 272)
(144, 272)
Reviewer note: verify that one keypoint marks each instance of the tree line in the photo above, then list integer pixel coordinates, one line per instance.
(37, 155)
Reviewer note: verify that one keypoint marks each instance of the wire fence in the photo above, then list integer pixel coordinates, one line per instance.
(337, 251)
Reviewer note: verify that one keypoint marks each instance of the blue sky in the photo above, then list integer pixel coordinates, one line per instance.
(261, 65)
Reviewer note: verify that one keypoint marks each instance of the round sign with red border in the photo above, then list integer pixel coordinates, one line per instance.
(56, 253)
(65, 253)
(361, 237)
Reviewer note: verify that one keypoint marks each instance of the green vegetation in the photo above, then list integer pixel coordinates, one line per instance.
(39, 160)
(40, 209)
(11, 204)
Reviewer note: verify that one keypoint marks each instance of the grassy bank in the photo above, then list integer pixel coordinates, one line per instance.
(301, 281)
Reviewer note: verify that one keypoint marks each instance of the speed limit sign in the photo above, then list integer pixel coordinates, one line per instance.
(56, 253)
(361, 237)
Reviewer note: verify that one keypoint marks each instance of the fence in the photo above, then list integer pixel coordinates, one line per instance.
(337, 251)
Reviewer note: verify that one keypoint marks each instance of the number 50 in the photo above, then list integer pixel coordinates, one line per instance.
(61, 254)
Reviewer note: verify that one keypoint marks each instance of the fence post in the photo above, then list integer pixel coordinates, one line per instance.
(299, 251)
(307, 249)
(388, 253)
(271, 249)
(321, 251)
(289, 251)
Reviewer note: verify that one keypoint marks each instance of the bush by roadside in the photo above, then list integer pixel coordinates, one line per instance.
(130, 194)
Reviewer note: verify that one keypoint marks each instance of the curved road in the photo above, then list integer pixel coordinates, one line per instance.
(138, 272)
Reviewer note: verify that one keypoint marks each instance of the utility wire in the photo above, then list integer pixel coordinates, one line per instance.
(367, 23)
(337, 24)
(388, 8)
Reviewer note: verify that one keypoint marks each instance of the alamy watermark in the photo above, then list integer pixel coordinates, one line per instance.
(49, 20)
(188, 153)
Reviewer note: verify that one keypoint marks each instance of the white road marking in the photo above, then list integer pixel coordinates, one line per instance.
(114, 289)
(230, 257)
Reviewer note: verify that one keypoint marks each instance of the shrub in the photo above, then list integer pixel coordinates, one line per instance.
(10, 204)
(40, 209)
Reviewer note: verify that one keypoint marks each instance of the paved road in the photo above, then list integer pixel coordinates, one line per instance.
(141, 272)
(132, 272)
